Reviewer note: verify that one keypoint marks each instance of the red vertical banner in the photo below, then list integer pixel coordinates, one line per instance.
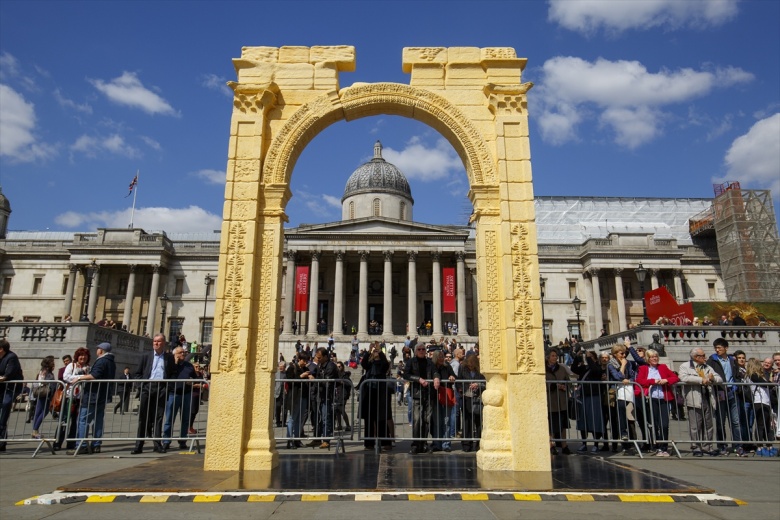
(301, 288)
(448, 289)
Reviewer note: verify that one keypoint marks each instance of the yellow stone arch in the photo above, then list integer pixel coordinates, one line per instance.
(286, 96)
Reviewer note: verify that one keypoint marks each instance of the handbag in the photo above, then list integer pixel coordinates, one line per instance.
(446, 396)
(626, 393)
(41, 391)
(56, 400)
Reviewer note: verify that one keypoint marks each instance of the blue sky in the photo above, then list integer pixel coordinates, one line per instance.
(635, 98)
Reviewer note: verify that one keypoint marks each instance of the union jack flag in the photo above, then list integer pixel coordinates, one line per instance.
(133, 184)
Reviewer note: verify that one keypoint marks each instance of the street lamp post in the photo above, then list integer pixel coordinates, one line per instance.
(542, 282)
(577, 303)
(641, 274)
(89, 274)
(207, 281)
(164, 300)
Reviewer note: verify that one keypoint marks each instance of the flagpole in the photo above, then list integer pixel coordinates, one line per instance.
(135, 192)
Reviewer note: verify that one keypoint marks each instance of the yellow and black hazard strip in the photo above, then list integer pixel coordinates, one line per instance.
(168, 498)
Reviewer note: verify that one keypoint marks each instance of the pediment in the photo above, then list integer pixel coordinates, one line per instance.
(376, 226)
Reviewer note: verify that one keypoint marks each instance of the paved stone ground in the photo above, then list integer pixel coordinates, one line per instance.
(752, 482)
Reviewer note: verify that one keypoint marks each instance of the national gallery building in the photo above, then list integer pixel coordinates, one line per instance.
(376, 272)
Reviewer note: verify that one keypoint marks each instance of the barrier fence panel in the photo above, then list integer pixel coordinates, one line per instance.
(27, 414)
(714, 419)
(393, 410)
(163, 411)
(325, 408)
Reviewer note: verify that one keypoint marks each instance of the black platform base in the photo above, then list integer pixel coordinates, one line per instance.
(367, 471)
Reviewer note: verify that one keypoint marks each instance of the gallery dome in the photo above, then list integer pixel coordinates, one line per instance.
(377, 176)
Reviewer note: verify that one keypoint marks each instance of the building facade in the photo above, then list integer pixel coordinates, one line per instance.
(374, 273)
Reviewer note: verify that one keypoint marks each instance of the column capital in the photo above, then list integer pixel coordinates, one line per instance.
(618, 271)
(473, 271)
(436, 256)
(291, 255)
(412, 255)
(460, 256)
(131, 267)
(364, 255)
(388, 255)
(593, 271)
(339, 255)
(73, 268)
(654, 271)
(156, 268)
(677, 272)
(315, 255)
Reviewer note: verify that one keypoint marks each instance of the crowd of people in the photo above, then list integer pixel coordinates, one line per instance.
(438, 383)
(87, 388)
(728, 399)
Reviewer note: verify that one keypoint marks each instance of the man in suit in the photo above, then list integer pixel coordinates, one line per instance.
(154, 365)
(123, 405)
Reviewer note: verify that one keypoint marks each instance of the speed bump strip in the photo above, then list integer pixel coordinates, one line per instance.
(159, 498)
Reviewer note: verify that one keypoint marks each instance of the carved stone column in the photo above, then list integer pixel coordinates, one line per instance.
(474, 301)
(654, 278)
(461, 277)
(597, 313)
(314, 295)
(621, 302)
(289, 302)
(151, 315)
(68, 304)
(412, 293)
(437, 330)
(363, 295)
(678, 286)
(387, 303)
(338, 293)
(129, 294)
(93, 295)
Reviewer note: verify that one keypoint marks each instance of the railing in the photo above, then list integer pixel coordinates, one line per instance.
(613, 417)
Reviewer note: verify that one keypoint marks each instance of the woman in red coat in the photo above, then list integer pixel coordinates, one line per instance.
(656, 380)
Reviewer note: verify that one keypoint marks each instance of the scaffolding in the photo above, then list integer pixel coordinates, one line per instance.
(748, 245)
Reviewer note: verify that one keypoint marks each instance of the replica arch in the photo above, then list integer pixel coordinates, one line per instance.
(284, 97)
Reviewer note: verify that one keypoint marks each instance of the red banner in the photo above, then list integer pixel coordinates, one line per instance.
(301, 288)
(660, 303)
(448, 289)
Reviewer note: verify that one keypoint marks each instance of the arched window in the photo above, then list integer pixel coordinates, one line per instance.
(377, 208)
(352, 210)
(402, 211)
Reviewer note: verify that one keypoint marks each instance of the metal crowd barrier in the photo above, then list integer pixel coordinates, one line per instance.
(25, 405)
(389, 413)
(175, 409)
(601, 410)
(323, 407)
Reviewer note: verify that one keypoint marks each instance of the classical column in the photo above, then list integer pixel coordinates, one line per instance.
(654, 278)
(289, 302)
(412, 296)
(597, 316)
(621, 302)
(128, 314)
(474, 301)
(338, 293)
(678, 287)
(437, 331)
(151, 315)
(93, 295)
(461, 274)
(314, 287)
(387, 304)
(68, 306)
(363, 295)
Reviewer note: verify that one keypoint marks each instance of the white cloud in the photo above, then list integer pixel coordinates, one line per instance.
(175, 220)
(332, 201)
(320, 205)
(629, 97)
(210, 176)
(588, 16)
(754, 158)
(128, 90)
(69, 103)
(18, 141)
(9, 67)
(151, 143)
(214, 82)
(418, 161)
(91, 146)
